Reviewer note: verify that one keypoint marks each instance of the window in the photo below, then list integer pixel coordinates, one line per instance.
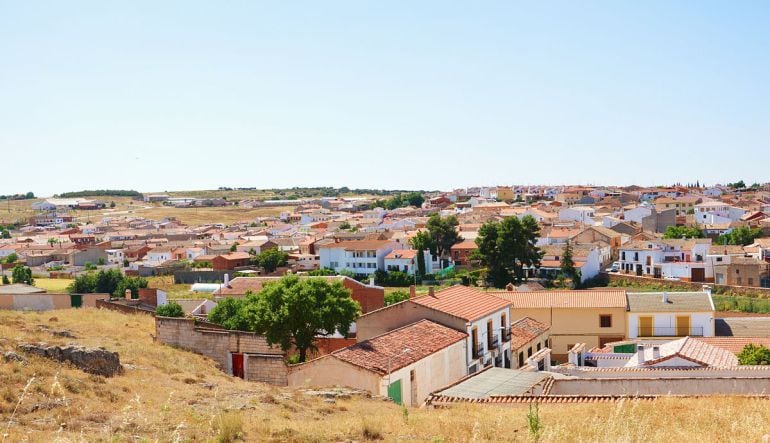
(605, 321)
(538, 346)
(490, 335)
(623, 255)
(751, 281)
(521, 359)
(475, 342)
(529, 351)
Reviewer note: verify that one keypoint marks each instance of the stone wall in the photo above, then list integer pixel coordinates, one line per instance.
(262, 362)
(744, 291)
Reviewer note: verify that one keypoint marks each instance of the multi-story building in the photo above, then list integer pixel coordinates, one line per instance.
(362, 257)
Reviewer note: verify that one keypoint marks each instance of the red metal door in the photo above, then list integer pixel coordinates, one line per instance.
(238, 365)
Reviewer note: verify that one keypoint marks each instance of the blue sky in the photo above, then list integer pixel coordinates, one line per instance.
(194, 95)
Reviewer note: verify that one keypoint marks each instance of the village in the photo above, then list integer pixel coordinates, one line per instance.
(491, 295)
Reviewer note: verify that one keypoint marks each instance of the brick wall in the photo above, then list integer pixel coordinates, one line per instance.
(368, 297)
(263, 362)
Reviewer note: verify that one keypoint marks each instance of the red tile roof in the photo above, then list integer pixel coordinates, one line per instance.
(463, 302)
(402, 254)
(604, 298)
(402, 347)
(734, 344)
(525, 330)
(357, 245)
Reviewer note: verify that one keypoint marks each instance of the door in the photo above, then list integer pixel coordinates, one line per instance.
(394, 392)
(645, 327)
(238, 365)
(682, 325)
(76, 300)
(698, 274)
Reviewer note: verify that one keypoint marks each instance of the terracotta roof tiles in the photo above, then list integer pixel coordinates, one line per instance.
(463, 302)
(604, 298)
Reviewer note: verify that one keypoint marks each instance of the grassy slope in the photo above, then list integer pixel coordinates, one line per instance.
(167, 393)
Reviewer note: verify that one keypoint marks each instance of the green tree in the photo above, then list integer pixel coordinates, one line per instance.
(421, 241)
(132, 283)
(742, 235)
(344, 226)
(568, 264)
(754, 355)
(170, 309)
(11, 258)
(234, 247)
(508, 247)
(4, 233)
(229, 313)
(682, 232)
(271, 259)
(396, 297)
(22, 274)
(52, 241)
(5, 280)
(443, 234)
(293, 312)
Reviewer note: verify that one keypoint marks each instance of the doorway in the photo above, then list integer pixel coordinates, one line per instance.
(237, 361)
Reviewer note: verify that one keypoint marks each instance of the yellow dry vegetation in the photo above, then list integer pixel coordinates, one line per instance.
(168, 394)
(53, 284)
(201, 216)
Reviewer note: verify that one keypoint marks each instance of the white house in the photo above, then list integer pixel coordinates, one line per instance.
(114, 256)
(716, 212)
(158, 255)
(683, 259)
(361, 257)
(582, 214)
(405, 260)
(675, 314)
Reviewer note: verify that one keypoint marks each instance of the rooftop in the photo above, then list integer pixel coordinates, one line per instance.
(494, 382)
(463, 302)
(676, 302)
(604, 298)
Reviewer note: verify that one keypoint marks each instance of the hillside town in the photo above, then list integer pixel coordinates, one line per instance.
(491, 295)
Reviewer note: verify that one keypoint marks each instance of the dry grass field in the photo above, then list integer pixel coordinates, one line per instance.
(201, 216)
(166, 394)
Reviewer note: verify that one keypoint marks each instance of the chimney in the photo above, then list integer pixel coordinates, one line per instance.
(128, 294)
(665, 297)
(640, 354)
(412, 291)
(707, 290)
(431, 292)
(227, 280)
(655, 352)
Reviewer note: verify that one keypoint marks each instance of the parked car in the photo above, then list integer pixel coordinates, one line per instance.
(614, 268)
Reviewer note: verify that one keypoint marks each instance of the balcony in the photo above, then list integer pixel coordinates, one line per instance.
(478, 350)
(494, 343)
(657, 331)
(506, 334)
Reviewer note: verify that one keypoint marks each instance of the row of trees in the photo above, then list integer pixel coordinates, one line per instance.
(742, 235)
(107, 281)
(682, 232)
(101, 193)
(400, 201)
(291, 312)
(27, 196)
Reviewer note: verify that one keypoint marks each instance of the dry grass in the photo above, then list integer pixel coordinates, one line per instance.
(167, 394)
(173, 290)
(201, 216)
(53, 284)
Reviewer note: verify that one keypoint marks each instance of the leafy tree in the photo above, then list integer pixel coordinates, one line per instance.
(271, 259)
(443, 233)
(742, 235)
(89, 266)
(5, 280)
(234, 247)
(421, 241)
(112, 204)
(393, 278)
(22, 274)
(737, 185)
(754, 355)
(396, 297)
(11, 258)
(229, 313)
(344, 226)
(83, 284)
(507, 247)
(321, 272)
(52, 241)
(293, 311)
(29, 195)
(682, 232)
(132, 283)
(568, 264)
(107, 281)
(347, 273)
(170, 309)
(4, 233)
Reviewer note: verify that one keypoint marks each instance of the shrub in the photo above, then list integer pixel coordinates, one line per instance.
(229, 426)
(171, 309)
(395, 297)
(754, 355)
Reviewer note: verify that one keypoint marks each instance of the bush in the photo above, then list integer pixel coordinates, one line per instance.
(395, 297)
(393, 278)
(171, 309)
(22, 274)
(89, 266)
(754, 355)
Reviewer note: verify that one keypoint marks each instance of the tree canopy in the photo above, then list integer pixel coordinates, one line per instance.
(107, 281)
(22, 274)
(292, 312)
(170, 309)
(507, 247)
(271, 259)
(400, 200)
(682, 232)
(443, 233)
(742, 235)
(754, 355)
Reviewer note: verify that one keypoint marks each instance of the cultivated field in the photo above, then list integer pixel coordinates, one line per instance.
(166, 394)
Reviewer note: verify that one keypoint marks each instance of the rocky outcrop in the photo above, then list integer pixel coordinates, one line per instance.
(97, 361)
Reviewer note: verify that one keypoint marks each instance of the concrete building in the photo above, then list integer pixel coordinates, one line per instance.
(675, 314)
(362, 257)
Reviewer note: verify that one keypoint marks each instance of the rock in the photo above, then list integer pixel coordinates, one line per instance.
(63, 333)
(97, 361)
(12, 356)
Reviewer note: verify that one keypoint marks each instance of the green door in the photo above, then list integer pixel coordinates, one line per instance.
(394, 391)
(76, 300)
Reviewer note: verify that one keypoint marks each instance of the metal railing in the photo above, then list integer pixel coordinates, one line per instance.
(494, 343)
(507, 334)
(676, 331)
(478, 350)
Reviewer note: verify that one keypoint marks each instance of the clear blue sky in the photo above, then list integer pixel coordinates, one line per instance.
(180, 95)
